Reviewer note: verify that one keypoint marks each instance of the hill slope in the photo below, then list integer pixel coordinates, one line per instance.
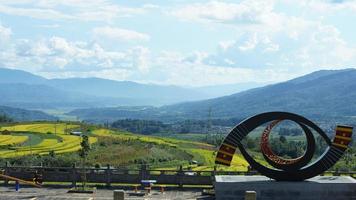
(25, 115)
(326, 92)
(320, 94)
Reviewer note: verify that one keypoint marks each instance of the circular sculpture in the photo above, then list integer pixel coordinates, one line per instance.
(286, 164)
(296, 169)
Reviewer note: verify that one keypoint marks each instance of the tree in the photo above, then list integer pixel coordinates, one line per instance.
(83, 153)
(52, 154)
(251, 143)
(85, 147)
(282, 139)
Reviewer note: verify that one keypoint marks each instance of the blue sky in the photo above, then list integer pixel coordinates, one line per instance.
(187, 43)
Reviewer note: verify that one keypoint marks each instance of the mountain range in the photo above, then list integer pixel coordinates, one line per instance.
(25, 90)
(325, 93)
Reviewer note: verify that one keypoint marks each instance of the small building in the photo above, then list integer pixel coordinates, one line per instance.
(77, 133)
(194, 162)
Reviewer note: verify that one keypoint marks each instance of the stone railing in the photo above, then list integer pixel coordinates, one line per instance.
(110, 176)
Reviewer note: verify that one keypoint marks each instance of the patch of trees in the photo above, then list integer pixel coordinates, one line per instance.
(289, 131)
(289, 149)
(185, 126)
(140, 126)
(4, 118)
(284, 148)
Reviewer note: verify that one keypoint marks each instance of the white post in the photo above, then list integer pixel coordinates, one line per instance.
(250, 195)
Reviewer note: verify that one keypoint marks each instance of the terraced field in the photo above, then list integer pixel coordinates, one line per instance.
(52, 137)
(6, 140)
(43, 138)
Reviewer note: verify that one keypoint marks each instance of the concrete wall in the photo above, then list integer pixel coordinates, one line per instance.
(317, 188)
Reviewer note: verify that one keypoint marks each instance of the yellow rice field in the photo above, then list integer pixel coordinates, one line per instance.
(12, 140)
(64, 144)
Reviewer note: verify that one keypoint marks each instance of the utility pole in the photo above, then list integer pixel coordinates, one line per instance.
(209, 120)
(208, 126)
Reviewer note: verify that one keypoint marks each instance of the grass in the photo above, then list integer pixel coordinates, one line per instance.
(203, 153)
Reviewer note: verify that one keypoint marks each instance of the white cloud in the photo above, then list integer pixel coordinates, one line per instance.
(196, 57)
(119, 34)
(5, 34)
(113, 74)
(325, 48)
(175, 69)
(264, 43)
(247, 16)
(57, 56)
(268, 38)
(249, 44)
(246, 12)
(96, 10)
(316, 46)
(48, 26)
(139, 57)
(37, 13)
(226, 44)
(325, 6)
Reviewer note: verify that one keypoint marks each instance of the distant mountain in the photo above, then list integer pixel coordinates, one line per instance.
(46, 97)
(25, 115)
(326, 93)
(222, 90)
(19, 76)
(23, 89)
(145, 94)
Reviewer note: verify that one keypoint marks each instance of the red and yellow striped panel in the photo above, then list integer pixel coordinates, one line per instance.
(342, 137)
(225, 154)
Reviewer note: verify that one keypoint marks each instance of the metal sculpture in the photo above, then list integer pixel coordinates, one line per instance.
(296, 169)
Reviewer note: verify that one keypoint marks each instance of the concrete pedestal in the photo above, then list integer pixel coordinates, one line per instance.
(320, 187)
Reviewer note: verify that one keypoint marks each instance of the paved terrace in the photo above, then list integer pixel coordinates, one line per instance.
(9, 193)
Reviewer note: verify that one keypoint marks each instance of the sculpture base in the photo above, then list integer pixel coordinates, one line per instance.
(319, 187)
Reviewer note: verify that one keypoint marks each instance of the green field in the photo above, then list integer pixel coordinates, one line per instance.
(113, 147)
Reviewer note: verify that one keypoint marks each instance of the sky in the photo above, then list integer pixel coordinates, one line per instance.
(178, 42)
